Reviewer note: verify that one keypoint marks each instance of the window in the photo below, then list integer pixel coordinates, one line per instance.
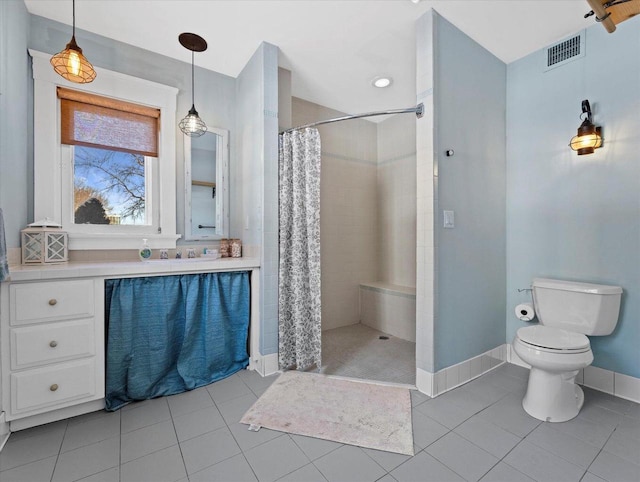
(109, 187)
(111, 164)
(104, 158)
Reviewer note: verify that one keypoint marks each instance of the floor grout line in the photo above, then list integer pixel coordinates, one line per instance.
(175, 431)
(59, 451)
(120, 452)
(231, 432)
(227, 424)
(601, 450)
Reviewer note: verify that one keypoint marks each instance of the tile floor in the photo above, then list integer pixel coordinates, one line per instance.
(356, 351)
(475, 432)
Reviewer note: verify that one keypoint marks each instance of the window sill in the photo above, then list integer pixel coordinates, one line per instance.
(121, 241)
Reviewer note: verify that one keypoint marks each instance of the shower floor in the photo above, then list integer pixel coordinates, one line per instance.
(356, 351)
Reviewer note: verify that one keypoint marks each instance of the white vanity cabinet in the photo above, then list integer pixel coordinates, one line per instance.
(52, 333)
(52, 346)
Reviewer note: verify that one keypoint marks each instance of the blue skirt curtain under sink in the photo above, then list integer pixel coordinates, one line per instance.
(170, 334)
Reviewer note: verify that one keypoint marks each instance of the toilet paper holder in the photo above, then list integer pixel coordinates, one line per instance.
(520, 290)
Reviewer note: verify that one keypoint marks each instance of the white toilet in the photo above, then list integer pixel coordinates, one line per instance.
(557, 348)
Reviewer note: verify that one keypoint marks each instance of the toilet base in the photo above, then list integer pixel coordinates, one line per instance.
(553, 397)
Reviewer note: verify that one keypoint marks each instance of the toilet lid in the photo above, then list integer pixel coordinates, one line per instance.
(553, 338)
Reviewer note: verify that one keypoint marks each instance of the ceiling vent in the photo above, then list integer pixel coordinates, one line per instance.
(566, 51)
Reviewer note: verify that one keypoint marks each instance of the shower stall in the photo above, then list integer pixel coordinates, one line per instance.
(368, 241)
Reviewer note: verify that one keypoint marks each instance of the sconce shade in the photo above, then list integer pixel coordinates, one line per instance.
(192, 125)
(70, 63)
(587, 140)
(589, 136)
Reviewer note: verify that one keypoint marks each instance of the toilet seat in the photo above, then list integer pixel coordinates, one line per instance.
(553, 340)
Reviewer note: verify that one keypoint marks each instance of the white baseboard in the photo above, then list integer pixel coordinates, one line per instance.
(434, 384)
(424, 381)
(512, 357)
(270, 364)
(265, 365)
(4, 431)
(613, 383)
(255, 363)
(626, 387)
(55, 415)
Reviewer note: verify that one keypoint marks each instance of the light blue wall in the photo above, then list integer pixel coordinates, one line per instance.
(214, 93)
(16, 186)
(257, 147)
(578, 217)
(270, 247)
(253, 185)
(470, 104)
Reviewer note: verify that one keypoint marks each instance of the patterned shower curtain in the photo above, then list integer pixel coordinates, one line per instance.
(299, 271)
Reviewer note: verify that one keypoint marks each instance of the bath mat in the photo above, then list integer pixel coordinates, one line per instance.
(349, 412)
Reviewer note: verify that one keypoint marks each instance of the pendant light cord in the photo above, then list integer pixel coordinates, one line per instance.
(74, 18)
(193, 95)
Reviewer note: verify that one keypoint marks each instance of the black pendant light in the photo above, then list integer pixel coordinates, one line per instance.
(192, 125)
(70, 63)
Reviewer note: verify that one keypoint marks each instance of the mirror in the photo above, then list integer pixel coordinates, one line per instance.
(206, 164)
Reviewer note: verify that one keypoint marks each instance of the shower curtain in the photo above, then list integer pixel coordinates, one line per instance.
(299, 270)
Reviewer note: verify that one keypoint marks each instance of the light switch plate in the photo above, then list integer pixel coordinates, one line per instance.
(449, 219)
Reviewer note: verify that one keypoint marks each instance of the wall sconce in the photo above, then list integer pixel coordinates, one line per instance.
(589, 136)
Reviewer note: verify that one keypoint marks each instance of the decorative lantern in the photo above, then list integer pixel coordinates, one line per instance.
(44, 242)
(589, 136)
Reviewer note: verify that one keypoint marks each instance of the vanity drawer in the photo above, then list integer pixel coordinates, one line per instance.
(49, 386)
(53, 342)
(51, 300)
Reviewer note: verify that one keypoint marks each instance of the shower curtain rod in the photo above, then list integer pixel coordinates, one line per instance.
(417, 110)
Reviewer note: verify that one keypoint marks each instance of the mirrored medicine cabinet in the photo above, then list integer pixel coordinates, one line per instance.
(206, 174)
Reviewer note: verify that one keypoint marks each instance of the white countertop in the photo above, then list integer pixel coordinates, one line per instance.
(129, 268)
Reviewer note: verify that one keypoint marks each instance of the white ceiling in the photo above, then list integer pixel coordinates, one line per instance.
(333, 48)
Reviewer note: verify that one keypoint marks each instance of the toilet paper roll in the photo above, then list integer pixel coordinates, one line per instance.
(525, 312)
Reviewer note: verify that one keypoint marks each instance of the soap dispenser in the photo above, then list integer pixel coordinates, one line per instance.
(145, 251)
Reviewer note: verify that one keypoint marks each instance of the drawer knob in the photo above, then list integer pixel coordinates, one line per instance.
(53, 344)
(53, 301)
(53, 387)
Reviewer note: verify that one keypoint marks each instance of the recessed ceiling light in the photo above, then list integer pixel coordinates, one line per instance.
(415, 1)
(382, 82)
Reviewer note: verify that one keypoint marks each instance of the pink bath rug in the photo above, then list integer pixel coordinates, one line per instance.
(345, 411)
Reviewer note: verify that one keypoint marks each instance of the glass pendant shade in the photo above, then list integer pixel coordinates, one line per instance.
(587, 140)
(192, 125)
(72, 65)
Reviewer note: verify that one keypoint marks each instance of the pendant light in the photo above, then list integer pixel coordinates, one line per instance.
(192, 125)
(589, 136)
(70, 63)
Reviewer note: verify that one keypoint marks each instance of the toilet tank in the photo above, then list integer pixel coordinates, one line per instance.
(579, 307)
